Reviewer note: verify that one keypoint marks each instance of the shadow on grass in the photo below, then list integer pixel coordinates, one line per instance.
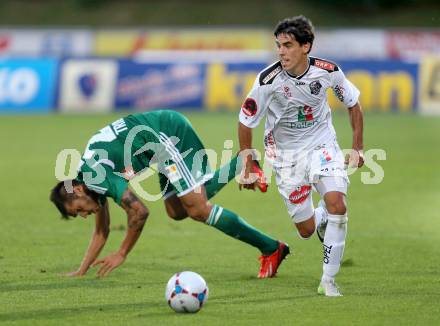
(61, 313)
(67, 283)
(158, 308)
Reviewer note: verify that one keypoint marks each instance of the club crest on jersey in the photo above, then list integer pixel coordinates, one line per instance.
(249, 107)
(315, 87)
(300, 194)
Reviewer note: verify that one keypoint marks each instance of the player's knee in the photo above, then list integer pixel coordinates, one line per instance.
(177, 216)
(176, 213)
(336, 208)
(305, 233)
(198, 213)
(304, 221)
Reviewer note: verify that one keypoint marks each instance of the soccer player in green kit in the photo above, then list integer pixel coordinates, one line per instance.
(128, 146)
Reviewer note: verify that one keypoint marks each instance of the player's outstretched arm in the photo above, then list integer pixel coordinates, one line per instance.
(137, 214)
(357, 124)
(245, 140)
(97, 242)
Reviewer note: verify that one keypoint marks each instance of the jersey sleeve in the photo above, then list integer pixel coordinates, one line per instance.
(344, 90)
(100, 178)
(256, 104)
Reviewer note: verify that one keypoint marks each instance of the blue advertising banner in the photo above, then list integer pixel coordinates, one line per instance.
(27, 85)
(385, 86)
(160, 85)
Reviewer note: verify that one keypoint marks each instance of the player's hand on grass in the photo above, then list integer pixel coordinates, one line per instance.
(354, 159)
(73, 274)
(109, 263)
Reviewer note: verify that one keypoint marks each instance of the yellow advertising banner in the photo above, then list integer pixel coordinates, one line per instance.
(383, 88)
(383, 91)
(126, 42)
(429, 81)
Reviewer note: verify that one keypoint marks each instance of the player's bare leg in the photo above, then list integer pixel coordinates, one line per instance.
(321, 220)
(317, 222)
(174, 208)
(306, 228)
(220, 178)
(200, 209)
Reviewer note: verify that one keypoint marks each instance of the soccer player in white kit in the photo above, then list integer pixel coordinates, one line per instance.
(300, 140)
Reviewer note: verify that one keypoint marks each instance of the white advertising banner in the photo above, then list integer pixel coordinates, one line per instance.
(87, 85)
(46, 42)
(412, 45)
(376, 44)
(350, 44)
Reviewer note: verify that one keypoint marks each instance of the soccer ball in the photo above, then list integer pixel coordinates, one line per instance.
(186, 292)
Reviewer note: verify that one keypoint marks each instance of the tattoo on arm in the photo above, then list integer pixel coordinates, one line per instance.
(137, 213)
(129, 199)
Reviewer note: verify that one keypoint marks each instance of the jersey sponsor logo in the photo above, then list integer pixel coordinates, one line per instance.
(249, 107)
(268, 75)
(272, 74)
(299, 83)
(305, 113)
(315, 87)
(339, 91)
(305, 118)
(269, 145)
(325, 157)
(300, 194)
(302, 124)
(324, 65)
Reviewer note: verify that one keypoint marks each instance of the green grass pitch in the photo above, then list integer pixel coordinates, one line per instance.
(390, 274)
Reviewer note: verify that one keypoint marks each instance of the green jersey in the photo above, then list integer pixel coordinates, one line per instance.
(119, 151)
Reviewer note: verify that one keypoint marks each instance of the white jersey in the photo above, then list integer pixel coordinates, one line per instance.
(298, 117)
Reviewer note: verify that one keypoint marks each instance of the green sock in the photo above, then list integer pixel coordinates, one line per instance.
(234, 226)
(222, 176)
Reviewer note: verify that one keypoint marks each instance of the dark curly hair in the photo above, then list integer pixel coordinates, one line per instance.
(299, 27)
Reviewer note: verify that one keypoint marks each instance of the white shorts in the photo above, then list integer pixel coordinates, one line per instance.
(321, 169)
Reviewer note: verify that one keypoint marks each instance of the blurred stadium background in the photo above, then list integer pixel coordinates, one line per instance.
(103, 55)
(67, 68)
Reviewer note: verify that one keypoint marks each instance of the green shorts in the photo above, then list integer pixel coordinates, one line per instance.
(187, 167)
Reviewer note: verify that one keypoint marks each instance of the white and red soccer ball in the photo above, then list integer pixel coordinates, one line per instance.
(186, 292)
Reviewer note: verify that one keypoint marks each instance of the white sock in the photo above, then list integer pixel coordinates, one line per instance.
(334, 244)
